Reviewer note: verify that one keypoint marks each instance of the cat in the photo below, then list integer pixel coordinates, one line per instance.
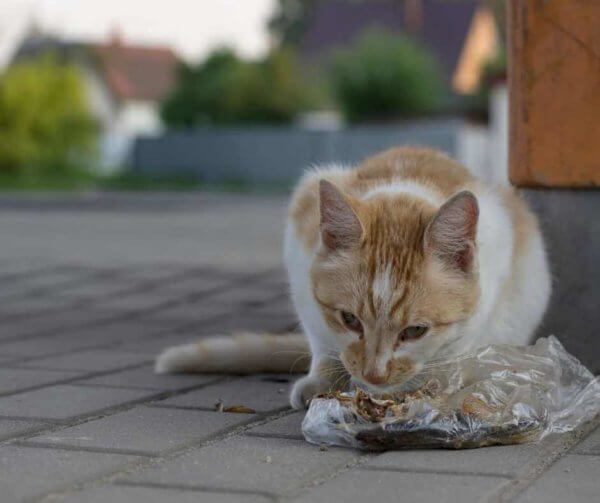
(404, 260)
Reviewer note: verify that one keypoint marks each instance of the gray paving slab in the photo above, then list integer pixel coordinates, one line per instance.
(13, 379)
(498, 460)
(63, 402)
(28, 472)
(254, 392)
(10, 428)
(92, 360)
(573, 478)
(48, 345)
(152, 346)
(136, 494)
(185, 312)
(248, 321)
(289, 426)
(589, 445)
(56, 321)
(123, 330)
(145, 378)
(201, 284)
(246, 294)
(249, 463)
(144, 429)
(360, 486)
(139, 301)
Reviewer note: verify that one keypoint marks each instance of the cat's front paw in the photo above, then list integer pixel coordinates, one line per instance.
(306, 389)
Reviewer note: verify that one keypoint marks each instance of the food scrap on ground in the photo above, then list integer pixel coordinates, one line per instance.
(500, 394)
(236, 409)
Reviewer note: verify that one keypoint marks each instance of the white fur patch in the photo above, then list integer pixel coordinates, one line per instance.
(408, 187)
(383, 286)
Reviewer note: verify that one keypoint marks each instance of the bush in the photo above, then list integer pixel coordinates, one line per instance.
(45, 126)
(384, 76)
(227, 90)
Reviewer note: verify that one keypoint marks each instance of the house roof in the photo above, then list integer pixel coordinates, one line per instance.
(136, 73)
(130, 72)
(444, 26)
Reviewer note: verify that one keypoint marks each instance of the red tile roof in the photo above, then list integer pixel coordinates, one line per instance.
(136, 73)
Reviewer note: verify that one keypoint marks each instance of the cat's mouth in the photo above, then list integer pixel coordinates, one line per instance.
(384, 388)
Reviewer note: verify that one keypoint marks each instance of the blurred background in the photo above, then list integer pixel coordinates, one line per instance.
(243, 95)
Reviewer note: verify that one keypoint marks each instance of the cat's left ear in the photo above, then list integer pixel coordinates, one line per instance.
(451, 233)
(340, 227)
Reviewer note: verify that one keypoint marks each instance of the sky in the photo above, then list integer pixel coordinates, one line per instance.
(191, 27)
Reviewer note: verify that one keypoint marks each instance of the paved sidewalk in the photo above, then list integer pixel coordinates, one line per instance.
(83, 419)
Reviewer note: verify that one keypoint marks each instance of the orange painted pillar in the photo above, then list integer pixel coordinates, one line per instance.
(554, 85)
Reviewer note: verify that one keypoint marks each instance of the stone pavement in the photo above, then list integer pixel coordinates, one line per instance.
(84, 419)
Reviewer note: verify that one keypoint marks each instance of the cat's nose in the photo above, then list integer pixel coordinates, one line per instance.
(374, 377)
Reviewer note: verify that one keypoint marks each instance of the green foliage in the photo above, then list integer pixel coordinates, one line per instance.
(46, 129)
(385, 76)
(493, 69)
(227, 90)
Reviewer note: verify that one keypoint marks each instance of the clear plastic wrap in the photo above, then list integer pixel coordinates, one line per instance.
(500, 394)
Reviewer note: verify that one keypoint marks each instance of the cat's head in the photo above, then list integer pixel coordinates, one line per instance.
(394, 277)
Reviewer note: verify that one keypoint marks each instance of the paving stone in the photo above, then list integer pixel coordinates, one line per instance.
(49, 345)
(52, 322)
(590, 445)
(64, 401)
(572, 478)
(137, 494)
(145, 378)
(248, 321)
(139, 301)
(144, 429)
(92, 360)
(101, 290)
(50, 279)
(359, 486)
(12, 427)
(26, 307)
(246, 295)
(253, 392)
(249, 463)
(152, 346)
(289, 426)
(198, 285)
(281, 306)
(12, 380)
(189, 312)
(124, 330)
(498, 460)
(28, 472)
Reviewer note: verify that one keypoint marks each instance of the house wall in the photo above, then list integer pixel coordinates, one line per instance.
(138, 117)
(101, 102)
(120, 122)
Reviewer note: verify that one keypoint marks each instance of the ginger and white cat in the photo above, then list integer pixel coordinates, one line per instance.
(403, 260)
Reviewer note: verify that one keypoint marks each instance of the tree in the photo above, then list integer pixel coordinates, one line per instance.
(45, 123)
(385, 76)
(226, 90)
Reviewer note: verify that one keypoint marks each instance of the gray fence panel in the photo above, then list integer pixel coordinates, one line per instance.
(278, 154)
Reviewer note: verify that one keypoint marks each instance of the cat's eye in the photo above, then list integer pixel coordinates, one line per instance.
(351, 322)
(412, 333)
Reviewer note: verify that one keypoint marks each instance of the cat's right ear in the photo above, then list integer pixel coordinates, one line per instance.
(340, 227)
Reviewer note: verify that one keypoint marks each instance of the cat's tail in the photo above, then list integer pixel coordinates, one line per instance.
(243, 353)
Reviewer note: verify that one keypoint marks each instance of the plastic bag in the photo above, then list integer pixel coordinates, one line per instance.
(500, 394)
